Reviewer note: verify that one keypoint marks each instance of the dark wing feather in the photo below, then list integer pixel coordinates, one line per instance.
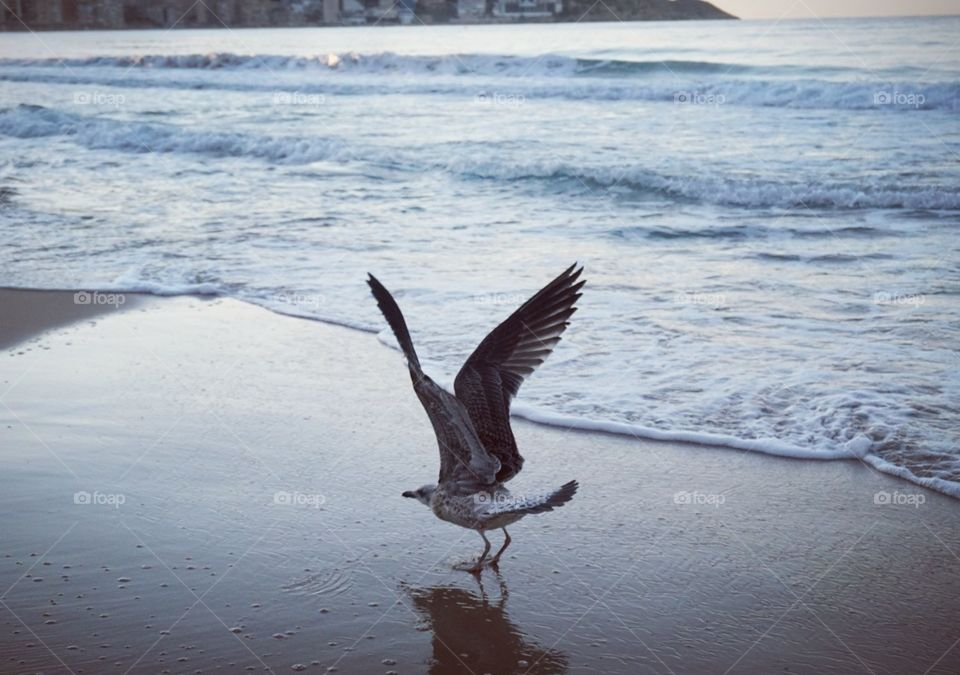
(492, 375)
(463, 460)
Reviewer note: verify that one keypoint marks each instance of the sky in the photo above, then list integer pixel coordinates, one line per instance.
(807, 9)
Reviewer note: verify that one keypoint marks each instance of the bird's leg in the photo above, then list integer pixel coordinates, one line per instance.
(506, 542)
(483, 556)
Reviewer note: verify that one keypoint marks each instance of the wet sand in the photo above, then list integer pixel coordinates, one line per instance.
(200, 485)
(24, 314)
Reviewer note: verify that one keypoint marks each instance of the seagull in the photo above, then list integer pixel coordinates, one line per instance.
(478, 452)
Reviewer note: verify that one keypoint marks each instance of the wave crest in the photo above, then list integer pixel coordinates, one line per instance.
(31, 121)
(478, 64)
(546, 76)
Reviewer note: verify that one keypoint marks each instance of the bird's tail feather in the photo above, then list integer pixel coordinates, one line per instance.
(393, 315)
(538, 504)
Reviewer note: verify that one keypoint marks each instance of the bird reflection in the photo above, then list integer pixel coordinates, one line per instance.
(472, 634)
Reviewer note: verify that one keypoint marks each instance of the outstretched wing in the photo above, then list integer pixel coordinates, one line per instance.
(536, 503)
(494, 372)
(463, 459)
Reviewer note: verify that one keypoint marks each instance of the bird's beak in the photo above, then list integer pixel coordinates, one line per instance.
(409, 494)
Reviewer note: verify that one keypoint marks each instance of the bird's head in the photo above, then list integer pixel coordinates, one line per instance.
(422, 494)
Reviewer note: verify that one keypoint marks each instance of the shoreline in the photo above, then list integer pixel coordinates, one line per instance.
(762, 446)
(30, 312)
(199, 483)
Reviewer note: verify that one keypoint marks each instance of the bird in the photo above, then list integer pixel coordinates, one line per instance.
(478, 451)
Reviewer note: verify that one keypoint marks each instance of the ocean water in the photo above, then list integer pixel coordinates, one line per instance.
(767, 212)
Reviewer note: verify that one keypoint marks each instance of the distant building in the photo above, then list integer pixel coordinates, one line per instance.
(381, 11)
(224, 10)
(471, 9)
(353, 12)
(331, 11)
(45, 14)
(406, 11)
(436, 11)
(30, 13)
(527, 9)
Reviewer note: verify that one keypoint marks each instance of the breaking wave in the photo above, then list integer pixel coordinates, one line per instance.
(480, 64)
(100, 133)
(547, 76)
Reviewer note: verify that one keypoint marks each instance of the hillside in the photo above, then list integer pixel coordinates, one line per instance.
(642, 10)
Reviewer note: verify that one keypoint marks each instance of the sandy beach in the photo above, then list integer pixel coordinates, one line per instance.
(194, 485)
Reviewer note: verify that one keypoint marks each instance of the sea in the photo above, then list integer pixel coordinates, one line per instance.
(767, 212)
